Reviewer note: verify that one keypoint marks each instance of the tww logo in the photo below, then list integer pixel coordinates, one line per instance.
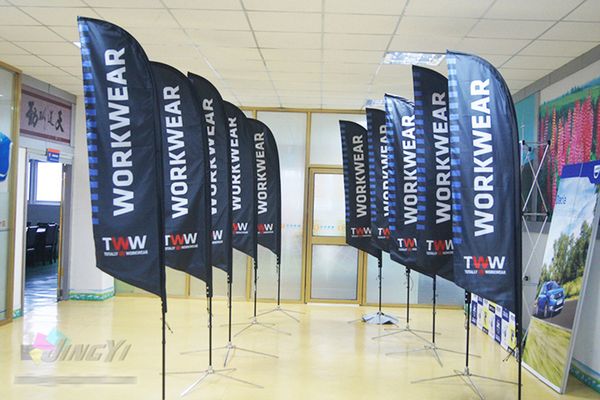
(484, 265)
(240, 228)
(383, 233)
(217, 236)
(407, 244)
(179, 241)
(361, 231)
(124, 245)
(440, 247)
(265, 229)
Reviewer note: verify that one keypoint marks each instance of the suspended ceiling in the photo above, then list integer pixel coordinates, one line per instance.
(305, 53)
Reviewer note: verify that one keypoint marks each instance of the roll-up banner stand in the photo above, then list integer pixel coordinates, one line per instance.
(124, 156)
(185, 175)
(219, 171)
(557, 307)
(356, 187)
(379, 196)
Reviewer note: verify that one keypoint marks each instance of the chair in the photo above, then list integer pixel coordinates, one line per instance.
(50, 242)
(31, 255)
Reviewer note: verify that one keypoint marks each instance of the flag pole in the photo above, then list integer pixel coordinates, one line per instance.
(379, 317)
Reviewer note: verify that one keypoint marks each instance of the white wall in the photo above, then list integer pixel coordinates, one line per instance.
(84, 276)
(19, 230)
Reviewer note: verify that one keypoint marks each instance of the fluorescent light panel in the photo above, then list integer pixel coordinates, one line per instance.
(410, 58)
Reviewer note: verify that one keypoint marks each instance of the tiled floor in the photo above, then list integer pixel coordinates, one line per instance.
(40, 286)
(324, 358)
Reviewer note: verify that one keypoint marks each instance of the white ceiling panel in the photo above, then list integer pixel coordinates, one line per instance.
(557, 48)
(536, 62)
(134, 17)
(284, 21)
(211, 19)
(284, 5)
(204, 4)
(130, 3)
(168, 36)
(448, 8)
(29, 33)
(219, 38)
(581, 31)
(305, 55)
(49, 3)
(60, 16)
(436, 26)
(62, 61)
(523, 74)
(383, 7)
(531, 9)
(24, 60)
(10, 48)
(355, 41)
(588, 11)
(13, 16)
(509, 29)
(324, 53)
(287, 40)
(352, 23)
(293, 66)
(50, 48)
(424, 43)
(352, 56)
(491, 46)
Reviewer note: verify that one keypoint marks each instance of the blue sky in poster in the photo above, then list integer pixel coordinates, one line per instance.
(579, 196)
(526, 118)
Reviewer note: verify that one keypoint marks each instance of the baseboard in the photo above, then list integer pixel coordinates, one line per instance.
(585, 374)
(83, 296)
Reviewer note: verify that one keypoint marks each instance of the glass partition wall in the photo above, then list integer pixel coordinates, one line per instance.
(9, 100)
(316, 264)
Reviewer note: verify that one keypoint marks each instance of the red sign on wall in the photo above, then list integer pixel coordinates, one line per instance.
(44, 116)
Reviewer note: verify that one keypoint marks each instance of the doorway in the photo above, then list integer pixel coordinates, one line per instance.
(335, 270)
(45, 190)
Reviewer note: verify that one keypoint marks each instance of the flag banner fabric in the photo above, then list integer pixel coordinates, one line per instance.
(356, 187)
(268, 187)
(485, 173)
(185, 174)
(402, 160)
(243, 181)
(215, 121)
(123, 137)
(434, 188)
(378, 177)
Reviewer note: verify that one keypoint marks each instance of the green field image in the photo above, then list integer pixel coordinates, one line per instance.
(546, 350)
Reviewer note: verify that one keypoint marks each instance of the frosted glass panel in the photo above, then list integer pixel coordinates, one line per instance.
(334, 272)
(393, 283)
(447, 292)
(289, 130)
(198, 288)
(328, 207)
(325, 142)
(175, 282)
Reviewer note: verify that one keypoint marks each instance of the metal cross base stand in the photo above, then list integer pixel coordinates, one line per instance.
(282, 310)
(379, 318)
(408, 329)
(231, 348)
(466, 376)
(212, 372)
(255, 322)
(434, 349)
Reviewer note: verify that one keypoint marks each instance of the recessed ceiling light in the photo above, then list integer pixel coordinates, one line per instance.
(409, 58)
(77, 44)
